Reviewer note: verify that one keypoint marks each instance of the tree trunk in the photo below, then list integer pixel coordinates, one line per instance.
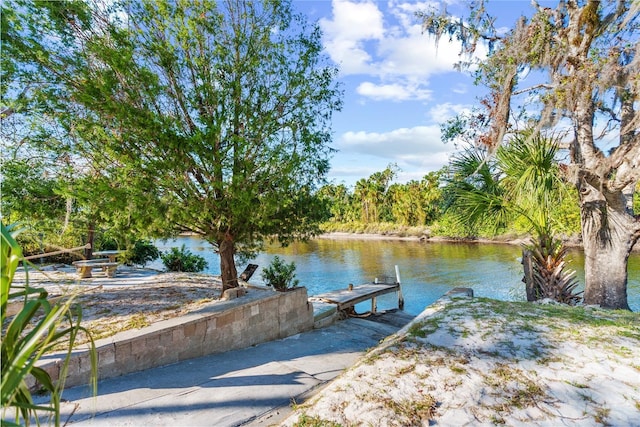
(227, 264)
(88, 252)
(533, 292)
(608, 236)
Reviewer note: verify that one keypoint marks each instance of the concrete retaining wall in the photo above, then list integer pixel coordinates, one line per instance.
(258, 316)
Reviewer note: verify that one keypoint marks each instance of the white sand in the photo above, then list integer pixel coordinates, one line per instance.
(471, 362)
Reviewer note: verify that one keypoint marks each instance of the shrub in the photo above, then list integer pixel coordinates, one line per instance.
(183, 260)
(280, 275)
(106, 243)
(34, 242)
(142, 252)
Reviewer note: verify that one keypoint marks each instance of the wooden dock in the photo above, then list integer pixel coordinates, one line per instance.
(346, 299)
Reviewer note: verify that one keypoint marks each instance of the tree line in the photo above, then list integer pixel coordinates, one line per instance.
(430, 206)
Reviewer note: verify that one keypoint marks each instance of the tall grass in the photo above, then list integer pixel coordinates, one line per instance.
(29, 334)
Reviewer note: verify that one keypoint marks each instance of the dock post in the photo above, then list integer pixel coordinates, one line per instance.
(400, 297)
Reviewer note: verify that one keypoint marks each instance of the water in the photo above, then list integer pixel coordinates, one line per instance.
(427, 270)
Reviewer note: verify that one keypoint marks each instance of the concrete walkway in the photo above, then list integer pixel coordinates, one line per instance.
(253, 386)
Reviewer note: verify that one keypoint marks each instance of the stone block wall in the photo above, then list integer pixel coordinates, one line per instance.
(259, 316)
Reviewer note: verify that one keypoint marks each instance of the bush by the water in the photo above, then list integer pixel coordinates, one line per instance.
(183, 260)
(280, 275)
(142, 252)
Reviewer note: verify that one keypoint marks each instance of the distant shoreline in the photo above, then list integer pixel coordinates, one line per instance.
(341, 235)
(373, 236)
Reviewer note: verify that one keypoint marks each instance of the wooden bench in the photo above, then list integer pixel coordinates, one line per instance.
(84, 267)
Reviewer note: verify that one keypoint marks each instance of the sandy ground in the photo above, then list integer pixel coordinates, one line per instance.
(135, 298)
(475, 362)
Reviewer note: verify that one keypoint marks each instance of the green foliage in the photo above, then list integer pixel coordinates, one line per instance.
(384, 228)
(532, 179)
(32, 195)
(108, 244)
(471, 197)
(34, 330)
(29, 192)
(565, 213)
(473, 194)
(339, 201)
(416, 202)
(280, 275)
(142, 252)
(449, 225)
(227, 133)
(183, 260)
(370, 194)
(518, 186)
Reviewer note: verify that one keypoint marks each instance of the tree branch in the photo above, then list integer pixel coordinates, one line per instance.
(624, 165)
(532, 88)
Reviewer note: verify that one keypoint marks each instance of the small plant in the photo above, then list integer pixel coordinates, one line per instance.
(183, 260)
(308, 421)
(142, 252)
(547, 276)
(36, 329)
(280, 275)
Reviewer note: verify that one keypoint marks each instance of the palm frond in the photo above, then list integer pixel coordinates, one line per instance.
(549, 277)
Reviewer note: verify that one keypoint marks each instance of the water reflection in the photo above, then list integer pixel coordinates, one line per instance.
(427, 270)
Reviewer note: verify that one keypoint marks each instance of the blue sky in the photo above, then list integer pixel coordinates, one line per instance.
(399, 86)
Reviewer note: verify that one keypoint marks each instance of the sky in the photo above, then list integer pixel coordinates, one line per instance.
(399, 85)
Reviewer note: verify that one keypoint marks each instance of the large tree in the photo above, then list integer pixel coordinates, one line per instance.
(580, 63)
(213, 117)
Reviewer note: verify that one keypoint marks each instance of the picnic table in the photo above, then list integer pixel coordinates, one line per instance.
(85, 266)
(112, 254)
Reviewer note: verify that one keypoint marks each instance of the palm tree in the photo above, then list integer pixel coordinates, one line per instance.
(522, 180)
(474, 193)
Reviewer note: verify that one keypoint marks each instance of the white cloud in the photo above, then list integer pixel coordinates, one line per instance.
(417, 146)
(417, 151)
(410, 8)
(460, 89)
(392, 92)
(390, 49)
(352, 25)
(355, 20)
(443, 112)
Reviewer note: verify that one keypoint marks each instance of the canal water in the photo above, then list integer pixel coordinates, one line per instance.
(427, 269)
